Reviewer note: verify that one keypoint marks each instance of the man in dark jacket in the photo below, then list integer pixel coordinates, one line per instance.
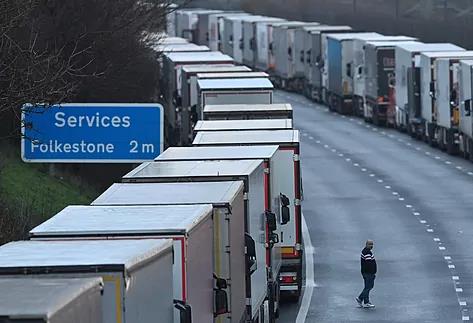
(368, 271)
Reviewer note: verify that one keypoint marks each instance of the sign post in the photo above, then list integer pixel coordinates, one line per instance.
(92, 133)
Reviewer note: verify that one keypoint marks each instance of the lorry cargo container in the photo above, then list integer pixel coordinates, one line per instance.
(249, 43)
(301, 46)
(171, 86)
(237, 125)
(240, 75)
(189, 227)
(233, 91)
(189, 93)
(251, 172)
(408, 105)
(289, 144)
(216, 28)
(171, 20)
(146, 263)
(465, 77)
(317, 59)
(203, 31)
(166, 40)
(380, 81)
(168, 48)
(233, 36)
(51, 300)
(247, 111)
(227, 200)
(265, 59)
(187, 23)
(425, 126)
(447, 103)
(339, 60)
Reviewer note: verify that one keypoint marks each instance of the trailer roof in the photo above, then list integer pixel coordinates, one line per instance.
(461, 53)
(230, 84)
(218, 153)
(41, 298)
(202, 76)
(388, 43)
(238, 17)
(116, 255)
(310, 28)
(355, 35)
(252, 124)
(261, 19)
(267, 137)
(168, 48)
(216, 193)
(467, 61)
(198, 57)
(172, 40)
(431, 47)
(214, 68)
(323, 29)
(123, 220)
(247, 107)
(192, 169)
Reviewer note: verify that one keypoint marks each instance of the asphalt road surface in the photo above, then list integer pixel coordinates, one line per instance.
(364, 182)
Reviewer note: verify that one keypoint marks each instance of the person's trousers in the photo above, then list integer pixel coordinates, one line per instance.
(369, 284)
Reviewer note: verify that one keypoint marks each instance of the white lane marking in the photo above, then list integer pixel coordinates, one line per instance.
(459, 167)
(309, 274)
(430, 230)
(363, 169)
(318, 141)
(423, 221)
(356, 164)
(455, 277)
(451, 266)
(340, 155)
(427, 153)
(441, 248)
(470, 173)
(347, 159)
(416, 213)
(351, 119)
(401, 199)
(459, 290)
(311, 138)
(448, 162)
(372, 175)
(395, 193)
(447, 258)
(462, 303)
(379, 180)
(437, 157)
(408, 206)
(409, 144)
(334, 150)
(326, 146)
(304, 134)
(417, 148)
(465, 318)
(436, 239)
(387, 187)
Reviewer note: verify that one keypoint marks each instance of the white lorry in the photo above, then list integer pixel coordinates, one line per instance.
(237, 125)
(465, 77)
(247, 111)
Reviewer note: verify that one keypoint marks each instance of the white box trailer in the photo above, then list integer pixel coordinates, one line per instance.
(317, 58)
(137, 274)
(238, 125)
(465, 77)
(166, 40)
(248, 111)
(52, 300)
(188, 23)
(189, 227)
(234, 91)
(407, 96)
(251, 172)
(215, 28)
(426, 126)
(172, 85)
(341, 70)
(447, 103)
(301, 45)
(289, 144)
(202, 30)
(189, 47)
(237, 75)
(171, 19)
(227, 200)
(189, 96)
(233, 36)
(265, 59)
(250, 45)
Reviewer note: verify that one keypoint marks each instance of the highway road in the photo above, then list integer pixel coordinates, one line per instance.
(363, 182)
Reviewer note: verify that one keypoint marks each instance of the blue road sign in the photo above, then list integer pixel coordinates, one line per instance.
(92, 133)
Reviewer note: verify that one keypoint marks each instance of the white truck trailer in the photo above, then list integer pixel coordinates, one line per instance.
(289, 145)
(51, 300)
(465, 77)
(237, 125)
(265, 60)
(217, 35)
(189, 227)
(248, 111)
(233, 36)
(146, 263)
(251, 172)
(227, 200)
(408, 96)
(233, 91)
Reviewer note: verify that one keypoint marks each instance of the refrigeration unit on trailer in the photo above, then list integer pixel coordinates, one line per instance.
(247, 111)
(425, 126)
(265, 60)
(339, 61)
(202, 30)
(380, 81)
(215, 28)
(137, 274)
(228, 213)
(51, 300)
(249, 43)
(252, 173)
(172, 85)
(465, 77)
(189, 227)
(233, 37)
(189, 92)
(237, 125)
(233, 91)
(447, 104)
(289, 144)
(408, 96)
(317, 59)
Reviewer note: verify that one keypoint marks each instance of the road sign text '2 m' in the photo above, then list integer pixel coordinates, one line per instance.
(92, 132)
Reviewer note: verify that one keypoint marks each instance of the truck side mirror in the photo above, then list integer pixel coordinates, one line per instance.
(250, 253)
(432, 89)
(271, 220)
(302, 56)
(220, 283)
(221, 302)
(184, 310)
(468, 107)
(242, 43)
(284, 199)
(285, 215)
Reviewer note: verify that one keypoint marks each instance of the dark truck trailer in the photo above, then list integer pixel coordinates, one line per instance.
(380, 78)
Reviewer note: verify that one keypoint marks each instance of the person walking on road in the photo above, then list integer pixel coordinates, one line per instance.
(368, 271)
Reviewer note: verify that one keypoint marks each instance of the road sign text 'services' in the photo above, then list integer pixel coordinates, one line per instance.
(76, 132)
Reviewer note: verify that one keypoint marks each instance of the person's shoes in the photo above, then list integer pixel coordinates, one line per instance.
(358, 301)
(368, 305)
